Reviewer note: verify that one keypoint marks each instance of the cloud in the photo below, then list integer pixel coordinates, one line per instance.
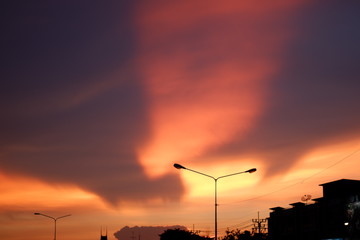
(108, 97)
(207, 69)
(91, 145)
(313, 100)
(73, 108)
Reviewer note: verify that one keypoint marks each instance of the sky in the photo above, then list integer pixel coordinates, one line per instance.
(100, 98)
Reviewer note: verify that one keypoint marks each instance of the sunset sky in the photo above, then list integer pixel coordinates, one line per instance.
(100, 98)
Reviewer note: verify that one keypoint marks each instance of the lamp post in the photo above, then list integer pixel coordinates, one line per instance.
(55, 219)
(178, 166)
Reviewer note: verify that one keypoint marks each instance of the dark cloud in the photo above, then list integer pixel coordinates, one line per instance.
(74, 109)
(69, 115)
(314, 100)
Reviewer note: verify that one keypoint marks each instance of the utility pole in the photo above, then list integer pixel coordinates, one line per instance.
(259, 225)
(195, 231)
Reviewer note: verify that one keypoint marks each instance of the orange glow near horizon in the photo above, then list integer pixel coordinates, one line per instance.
(240, 197)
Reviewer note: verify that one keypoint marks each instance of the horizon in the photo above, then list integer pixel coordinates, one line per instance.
(100, 99)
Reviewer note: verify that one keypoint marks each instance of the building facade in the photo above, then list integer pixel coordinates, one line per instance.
(335, 216)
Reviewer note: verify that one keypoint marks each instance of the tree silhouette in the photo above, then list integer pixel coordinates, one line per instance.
(246, 235)
(178, 234)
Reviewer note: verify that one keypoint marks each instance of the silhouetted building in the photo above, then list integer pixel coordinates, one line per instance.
(103, 237)
(335, 216)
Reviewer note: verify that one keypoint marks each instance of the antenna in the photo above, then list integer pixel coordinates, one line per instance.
(103, 237)
(306, 198)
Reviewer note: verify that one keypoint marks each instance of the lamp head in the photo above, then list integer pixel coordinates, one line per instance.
(251, 170)
(178, 166)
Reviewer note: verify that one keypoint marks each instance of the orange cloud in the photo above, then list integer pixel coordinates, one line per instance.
(206, 68)
(20, 193)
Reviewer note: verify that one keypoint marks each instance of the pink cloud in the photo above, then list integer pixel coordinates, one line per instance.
(206, 69)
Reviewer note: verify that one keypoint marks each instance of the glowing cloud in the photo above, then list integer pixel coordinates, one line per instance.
(35, 194)
(205, 71)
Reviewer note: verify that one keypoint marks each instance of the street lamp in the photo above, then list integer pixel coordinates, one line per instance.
(178, 166)
(55, 219)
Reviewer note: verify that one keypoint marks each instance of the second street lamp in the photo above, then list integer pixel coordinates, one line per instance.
(178, 166)
(55, 219)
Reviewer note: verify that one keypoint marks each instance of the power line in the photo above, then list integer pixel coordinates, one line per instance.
(334, 164)
(240, 225)
(303, 180)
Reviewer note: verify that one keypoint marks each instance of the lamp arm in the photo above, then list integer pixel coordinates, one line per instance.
(231, 174)
(201, 173)
(47, 216)
(63, 216)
